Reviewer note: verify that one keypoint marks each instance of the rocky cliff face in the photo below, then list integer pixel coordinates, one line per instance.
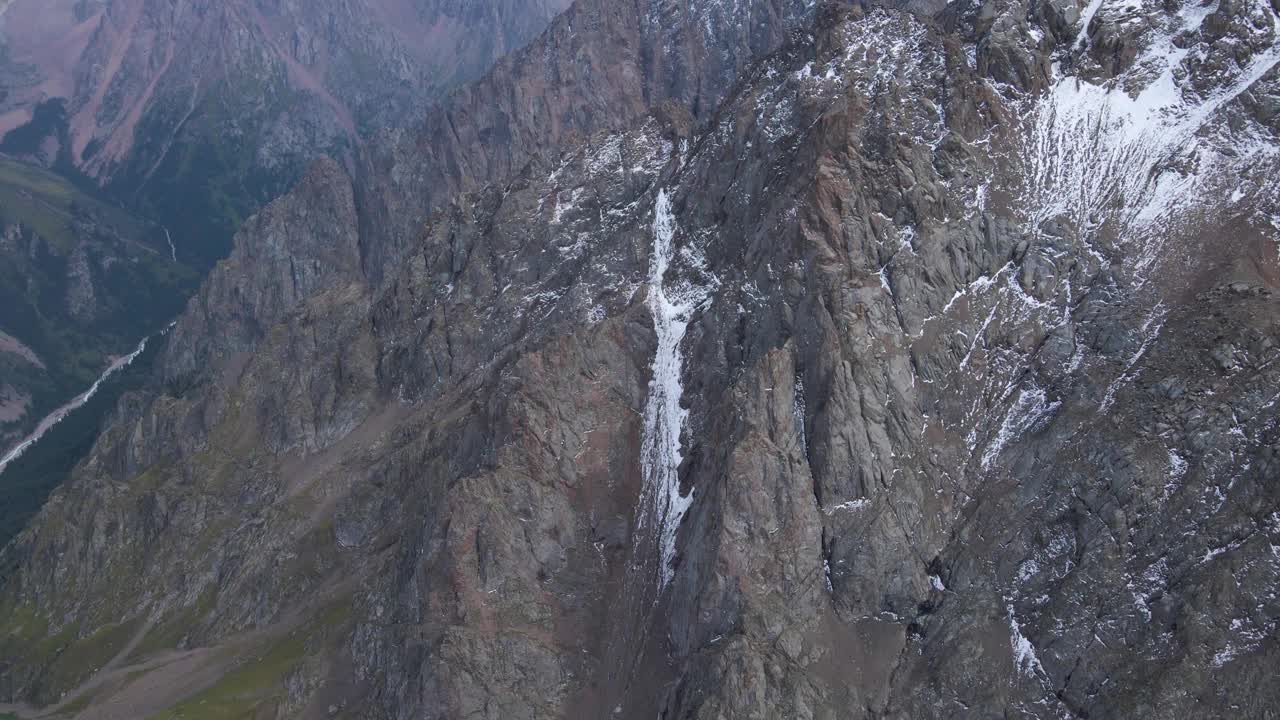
(923, 366)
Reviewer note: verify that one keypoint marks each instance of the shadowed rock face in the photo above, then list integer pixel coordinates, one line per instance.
(80, 283)
(969, 317)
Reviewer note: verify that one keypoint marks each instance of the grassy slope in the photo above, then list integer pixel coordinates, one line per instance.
(257, 687)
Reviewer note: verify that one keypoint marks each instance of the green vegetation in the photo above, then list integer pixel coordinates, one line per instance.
(63, 659)
(195, 170)
(25, 638)
(166, 635)
(84, 657)
(50, 205)
(27, 482)
(201, 181)
(135, 287)
(245, 690)
(258, 684)
(25, 630)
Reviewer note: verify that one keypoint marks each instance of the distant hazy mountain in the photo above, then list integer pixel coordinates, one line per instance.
(198, 111)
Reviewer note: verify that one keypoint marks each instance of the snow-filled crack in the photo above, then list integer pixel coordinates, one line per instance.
(661, 504)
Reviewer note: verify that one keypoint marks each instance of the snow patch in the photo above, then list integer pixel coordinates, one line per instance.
(1150, 331)
(848, 506)
(173, 250)
(798, 412)
(1082, 38)
(1031, 407)
(661, 504)
(1025, 659)
(1101, 153)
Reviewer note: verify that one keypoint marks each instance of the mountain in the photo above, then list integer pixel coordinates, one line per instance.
(81, 281)
(721, 360)
(138, 135)
(196, 113)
